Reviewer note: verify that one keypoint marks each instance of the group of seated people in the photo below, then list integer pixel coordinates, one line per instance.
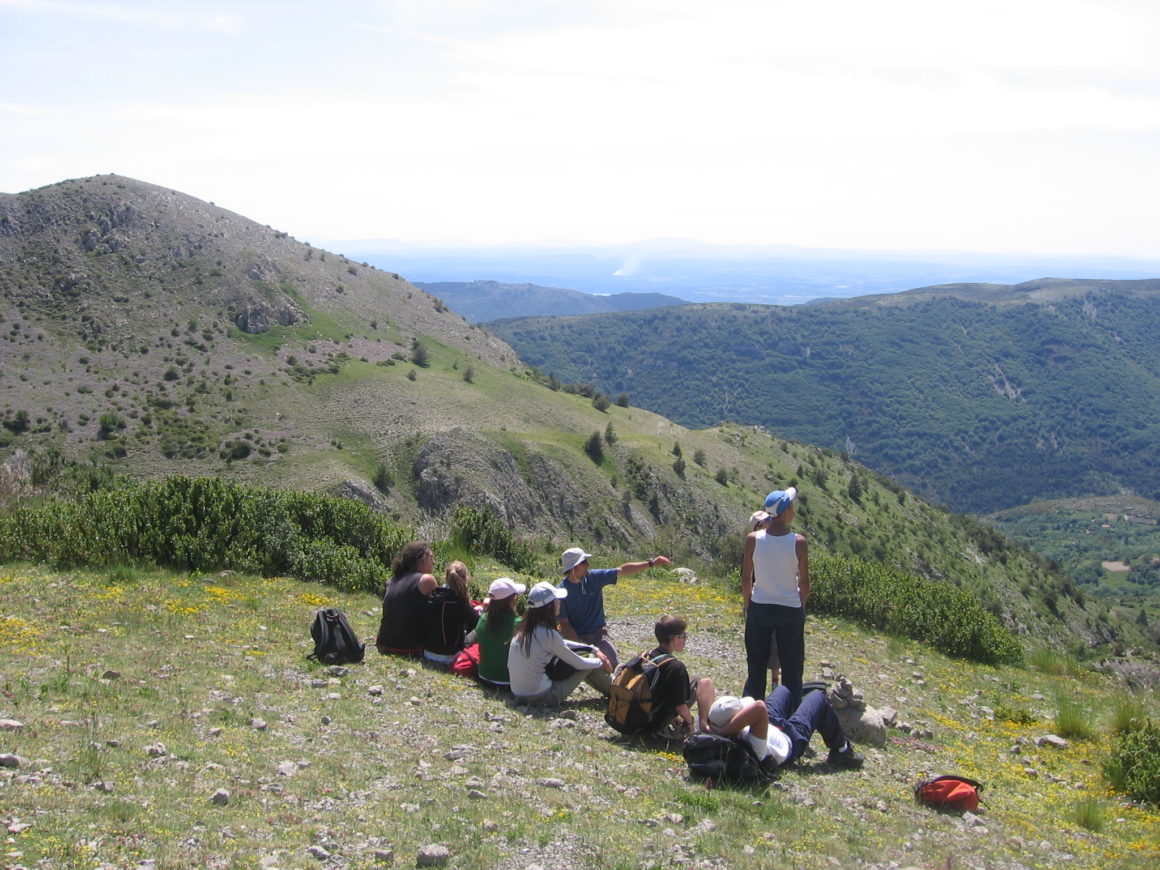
(423, 618)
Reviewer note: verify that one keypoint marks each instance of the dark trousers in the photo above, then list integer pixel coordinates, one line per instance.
(813, 714)
(767, 626)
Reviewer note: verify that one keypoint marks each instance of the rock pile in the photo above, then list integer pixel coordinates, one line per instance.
(861, 722)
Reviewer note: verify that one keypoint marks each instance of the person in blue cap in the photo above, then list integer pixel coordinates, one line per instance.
(775, 584)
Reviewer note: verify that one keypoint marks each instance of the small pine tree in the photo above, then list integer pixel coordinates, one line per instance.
(622, 400)
(383, 478)
(609, 434)
(594, 449)
(676, 451)
(600, 402)
(699, 457)
(419, 354)
(679, 466)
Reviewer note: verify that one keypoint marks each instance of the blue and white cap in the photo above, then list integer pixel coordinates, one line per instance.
(778, 500)
(545, 593)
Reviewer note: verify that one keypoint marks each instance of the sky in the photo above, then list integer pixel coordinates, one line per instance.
(1026, 126)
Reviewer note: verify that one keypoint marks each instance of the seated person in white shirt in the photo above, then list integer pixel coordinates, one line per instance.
(535, 642)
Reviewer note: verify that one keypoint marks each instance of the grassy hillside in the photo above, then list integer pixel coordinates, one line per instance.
(979, 398)
(225, 746)
(131, 345)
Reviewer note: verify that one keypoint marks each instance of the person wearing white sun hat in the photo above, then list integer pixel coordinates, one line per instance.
(536, 642)
(775, 584)
(582, 613)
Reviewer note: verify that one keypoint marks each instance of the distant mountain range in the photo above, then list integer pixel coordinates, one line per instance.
(978, 396)
(697, 272)
(477, 301)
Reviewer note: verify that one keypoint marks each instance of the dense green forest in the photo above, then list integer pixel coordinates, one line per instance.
(977, 406)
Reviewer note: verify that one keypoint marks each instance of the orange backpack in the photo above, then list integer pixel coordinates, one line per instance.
(957, 793)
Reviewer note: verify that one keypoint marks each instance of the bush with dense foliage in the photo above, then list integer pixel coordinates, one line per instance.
(479, 530)
(1133, 765)
(948, 618)
(209, 524)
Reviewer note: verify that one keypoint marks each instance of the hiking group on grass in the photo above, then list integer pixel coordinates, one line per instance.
(563, 640)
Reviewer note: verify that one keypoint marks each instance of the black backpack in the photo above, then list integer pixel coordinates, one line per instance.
(724, 759)
(335, 642)
(630, 701)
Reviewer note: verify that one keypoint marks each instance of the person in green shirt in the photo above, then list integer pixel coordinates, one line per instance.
(495, 629)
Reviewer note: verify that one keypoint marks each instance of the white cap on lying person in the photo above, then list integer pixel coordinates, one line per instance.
(545, 593)
(724, 708)
(505, 587)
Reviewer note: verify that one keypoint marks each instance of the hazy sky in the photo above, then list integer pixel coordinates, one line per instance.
(1014, 125)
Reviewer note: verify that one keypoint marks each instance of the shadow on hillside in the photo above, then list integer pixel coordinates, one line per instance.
(567, 710)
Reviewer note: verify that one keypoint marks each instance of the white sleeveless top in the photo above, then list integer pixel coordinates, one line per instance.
(775, 568)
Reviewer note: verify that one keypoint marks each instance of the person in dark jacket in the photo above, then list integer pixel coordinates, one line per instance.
(405, 600)
(449, 616)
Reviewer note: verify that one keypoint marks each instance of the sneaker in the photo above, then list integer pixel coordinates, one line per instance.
(847, 757)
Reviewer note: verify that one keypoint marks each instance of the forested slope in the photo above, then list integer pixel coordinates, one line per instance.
(976, 405)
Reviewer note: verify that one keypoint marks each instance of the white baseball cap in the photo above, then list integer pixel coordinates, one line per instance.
(505, 587)
(545, 593)
(723, 710)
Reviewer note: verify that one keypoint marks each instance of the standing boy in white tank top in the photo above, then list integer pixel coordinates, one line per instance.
(775, 583)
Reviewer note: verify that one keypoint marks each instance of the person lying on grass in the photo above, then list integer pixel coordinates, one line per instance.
(779, 735)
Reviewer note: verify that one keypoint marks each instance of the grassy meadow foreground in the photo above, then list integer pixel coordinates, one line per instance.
(175, 719)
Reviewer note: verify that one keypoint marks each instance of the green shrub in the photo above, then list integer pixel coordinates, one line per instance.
(594, 449)
(479, 530)
(383, 480)
(111, 422)
(1052, 661)
(1133, 766)
(944, 616)
(1071, 719)
(1089, 813)
(1017, 715)
(208, 524)
(1127, 713)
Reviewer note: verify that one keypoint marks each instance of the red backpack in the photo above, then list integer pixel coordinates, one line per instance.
(957, 793)
(466, 662)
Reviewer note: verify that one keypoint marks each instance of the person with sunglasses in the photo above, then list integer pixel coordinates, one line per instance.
(674, 691)
(582, 612)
